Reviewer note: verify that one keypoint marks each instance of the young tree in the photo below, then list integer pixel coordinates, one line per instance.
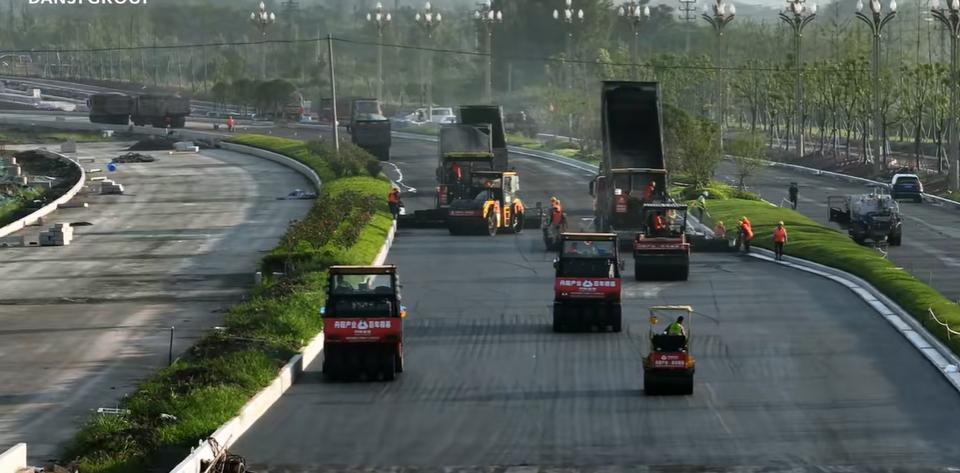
(747, 151)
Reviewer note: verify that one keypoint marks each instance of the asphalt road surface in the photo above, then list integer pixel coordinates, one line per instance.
(81, 324)
(930, 231)
(793, 370)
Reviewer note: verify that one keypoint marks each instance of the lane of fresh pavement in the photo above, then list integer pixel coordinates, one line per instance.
(792, 369)
(81, 324)
(930, 231)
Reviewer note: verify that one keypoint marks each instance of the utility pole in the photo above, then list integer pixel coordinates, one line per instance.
(333, 96)
(949, 17)
(486, 16)
(723, 13)
(876, 21)
(429, 20)
(798, 15)
(569, 16)
(261, 19)
(688, 12)
(380, 18)
(636, 15)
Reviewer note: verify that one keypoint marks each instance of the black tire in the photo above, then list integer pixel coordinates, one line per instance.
(383, 154)
(454, 229)
(687, 387)
(918, 199)
(683, 272)
(516, 223)
(616, 319)
(491, 227)
(895, 239)
(559, 325)
(399, 355)
(389, 368)
(650, 387)
(637, 271)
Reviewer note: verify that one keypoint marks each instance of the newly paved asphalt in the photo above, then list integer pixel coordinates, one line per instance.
(930, 231)
(81, 324)
(793, 370)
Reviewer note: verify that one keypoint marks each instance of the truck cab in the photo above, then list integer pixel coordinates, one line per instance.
(587, 282)
(363, 323)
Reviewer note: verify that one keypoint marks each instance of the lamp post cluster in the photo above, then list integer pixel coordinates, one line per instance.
(949, 16)
(487, 16)
(636, 15)
(719, 15)
(798, 15)
(261, 19)
(379, 18)
(568, 16)
(876, 20)
(429, 20)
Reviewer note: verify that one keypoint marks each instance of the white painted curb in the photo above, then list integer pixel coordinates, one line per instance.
(287, 161)
(52, 206)
(14, 459)
(932, 349)
(230, 432)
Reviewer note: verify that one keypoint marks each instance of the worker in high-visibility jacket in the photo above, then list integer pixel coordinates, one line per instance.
(746, 234)
(676, 328)
(231, 123)
(556, 213)
(393, 200)
(659, 226)
(779, 240)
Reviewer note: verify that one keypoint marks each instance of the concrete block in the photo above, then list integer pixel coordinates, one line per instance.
(184, 146)
(61, 225)
(69, 147)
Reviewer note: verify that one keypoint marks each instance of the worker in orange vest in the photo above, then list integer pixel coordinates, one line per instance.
(230, 123)
(556, 213)
(651, 188)
(393, 200)
(746, 233)
(658, 224)
(779, 240)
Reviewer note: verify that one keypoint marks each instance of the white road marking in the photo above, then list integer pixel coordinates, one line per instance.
(399, 180)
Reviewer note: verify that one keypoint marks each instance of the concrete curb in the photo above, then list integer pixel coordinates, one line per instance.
(228, 433)
(277, 158)
(14, 459)
(939, 355)
(52, 206)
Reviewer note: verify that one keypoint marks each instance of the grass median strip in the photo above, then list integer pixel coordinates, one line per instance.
(814, 242)
(175, 408)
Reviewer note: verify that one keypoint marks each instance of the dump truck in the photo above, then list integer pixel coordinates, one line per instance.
(112, 108)
(632, 157)
(369, 129)
(661, 251)
(874, 217)
(668, 366)
(363, 323)
(492, 116)
(160, 111)
(587, 282)
(462, 149)
(495, 205)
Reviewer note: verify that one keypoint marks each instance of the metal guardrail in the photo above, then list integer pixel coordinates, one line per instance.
(950, 331)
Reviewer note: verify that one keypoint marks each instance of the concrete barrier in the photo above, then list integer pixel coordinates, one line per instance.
(52, 206)
(228, 433)
(14, 459)
(277, 158)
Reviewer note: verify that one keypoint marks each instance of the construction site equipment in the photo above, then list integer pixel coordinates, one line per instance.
(363, 323)
(587, 282)
(490, 116)
(369, 129)
(160, 111)
(496, 205)
(668, 367)
(60, 234)
(113, 108)
(108, 186)
(633, 165)
(660, 250)
(463, 150)
(874, 217)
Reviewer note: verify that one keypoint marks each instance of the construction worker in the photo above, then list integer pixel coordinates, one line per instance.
(556, 212)
(676, 328)
(793, 191)
(746, 233)
(231, 123)
(658, 224)
(702, 203)
(651, 189)
(393, 200)
(719, 230)
(573, 249)
(779, 240)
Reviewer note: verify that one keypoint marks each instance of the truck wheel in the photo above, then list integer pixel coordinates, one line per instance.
(559, 325)
(683, 272)
(399, 355)
(389, 368)
(649, 385)
(516, 223)
(384, 154)
(687, 387)
(637, 271)
(616, 319)
(492, 224)
(895, 239)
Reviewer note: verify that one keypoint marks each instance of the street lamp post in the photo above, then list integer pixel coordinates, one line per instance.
(380, 18)
(261, 19)
(636, 15)
(429, 20)
(568, 16)
(719, 15)
(487, 16)
(798, 15)
(876, 21)
(949, 16)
